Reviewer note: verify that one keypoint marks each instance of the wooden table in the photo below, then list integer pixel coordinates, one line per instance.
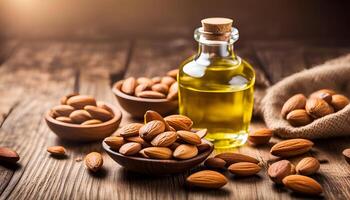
(35, 74)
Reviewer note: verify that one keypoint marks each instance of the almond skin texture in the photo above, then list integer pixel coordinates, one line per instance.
(189, 137)
(179, 122)
(318, 108)
(339, 101)
(80, 116)
(299, 117)
(151, 130)
(244, 169)
(308, 166)
(292, 147)
(80, 101)
(130, 148)
(151, 95)
(231, 158)
(8, 155)
(94, 161)
(151, 115)
(215, 163)
(162, 153)
(99, 113)
(114, 142)
(62, 110)
(130, 130)
(261, 136)
(185, 151)
(92, 122)
(129, 86)
(346, 154)
(302, 184)
(278, 170)
(297, 101)
(207, 179)
(64, 119)
(57, 150)
(164, 139)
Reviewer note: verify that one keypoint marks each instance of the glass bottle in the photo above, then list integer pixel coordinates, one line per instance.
(216, 85)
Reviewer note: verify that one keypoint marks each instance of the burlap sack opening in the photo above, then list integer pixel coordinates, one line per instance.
(335, 75)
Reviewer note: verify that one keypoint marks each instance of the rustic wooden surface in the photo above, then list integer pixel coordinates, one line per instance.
(34, 74)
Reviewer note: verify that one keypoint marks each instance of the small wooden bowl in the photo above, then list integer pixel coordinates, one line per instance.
(137, 106)
(154, 166)
(84, 133)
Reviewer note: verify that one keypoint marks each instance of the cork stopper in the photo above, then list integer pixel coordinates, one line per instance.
(217, 25)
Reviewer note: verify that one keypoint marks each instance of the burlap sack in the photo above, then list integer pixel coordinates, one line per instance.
(335, 75)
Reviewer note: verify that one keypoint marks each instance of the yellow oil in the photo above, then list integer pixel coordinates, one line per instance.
(218, 95)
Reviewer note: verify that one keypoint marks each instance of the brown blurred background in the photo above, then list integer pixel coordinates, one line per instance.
(112, 19)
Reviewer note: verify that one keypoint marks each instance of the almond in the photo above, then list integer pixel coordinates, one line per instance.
(297, 101)
(346, 154)
(8, 155)
(173, 73)
(130, 148)
(179, 122)
(94, 161)
(216, 163)
(185, 151)
(308, 166)
(244, 168)
(231, 158)
(318, 108)
(80, 101)
(291, 147)
(142, 153)
(62, 110)
(130, 130)
(161, 88)
(139, 140)
(99, 113)
(189, 137)
(202, 133)
(172, 96)
(79, 116)
(57, 150)
(64, 119)
(278, 170)
(156, 79)
(92, 122)
(145, 81)
(167, 80)
(173, 91)
(114, 142)
(151, 130)
(129, 86)
(203, 146)
(302, 184)
(64, 99)
(140, 88)
(261, 136)
(299, 117)
(322, 92)
(150, 95)
(151, 115)
(158, 152)
(164, 139)
(339, 101)
(207, 179)
(103, 105)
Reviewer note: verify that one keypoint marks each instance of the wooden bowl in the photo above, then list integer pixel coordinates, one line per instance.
(154, 166)
(84, 133)
(137, 106)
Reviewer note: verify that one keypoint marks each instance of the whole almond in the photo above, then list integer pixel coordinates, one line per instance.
(145, 81)
(261, 136)
(320, 93)
(62, 111)
(139, 140)
(203, 146)
(114, 142)
(291, 147)
(278, 170)
(308, 166)
(151, 115)
(162, 153)
(161, 88)
(150, 95)
(164, 139)
(231, 158)
(179, 122)
(80, 116)
(173, 73)
(94, 161)
(207, 179)
(244, 168)
(8, 155)
(173, 91)
(299, 117)
(99, 113)
(302, 184)
(130, 130)
(57, 150)
(189, 137)
(64, 119)
(167, 80)
(92, 122)
(346, 154)
(80, 101)
(130, 148)
(185, 151)
(156, 79)
(151, 130)
(339, 101)
(297, 101)
(129, 85)
(140, 88)
(202, 133)
(103, 105)
(318, 108)
(216, 163)
(64, 99)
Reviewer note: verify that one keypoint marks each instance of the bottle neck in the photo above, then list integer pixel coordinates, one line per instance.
(216, 51)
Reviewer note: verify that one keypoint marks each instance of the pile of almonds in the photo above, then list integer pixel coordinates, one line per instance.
(152, 88)
(159, 138)
(300, 111)
(81, 109)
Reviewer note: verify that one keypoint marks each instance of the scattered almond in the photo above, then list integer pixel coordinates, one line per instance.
(244, 168)
(299, 117)
(130, 148)
(185, 151)
(94, 161)
(339, 101)
(207, 179)
(302, 184)
(216, 163)
(8, 155)
(129, 85)
(80, 101)
(261, 136)
(164, 139)
(291, 147)
(278, 170)
(114, 142)
(57, 150)
(231, 158)
(189, 137)
(158, 152)
(297, 101)
(130, 130)
(80, 116)
(151, 130)
(318, 108)
(307, 166)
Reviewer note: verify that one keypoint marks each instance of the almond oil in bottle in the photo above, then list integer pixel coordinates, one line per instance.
(216, 85)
